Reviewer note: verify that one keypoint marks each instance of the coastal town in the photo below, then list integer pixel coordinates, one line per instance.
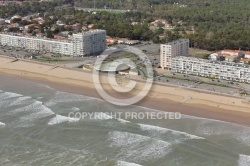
(32, 39)
(124, 83)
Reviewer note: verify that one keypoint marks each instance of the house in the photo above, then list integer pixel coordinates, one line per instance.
(27, 18)
(134, 23)
(163, 22)
(231, 52)
(90, 26)
(14, 25)
(60, 23)
(247, 55)
(230, 58)
(16, 17)
(76, 27)
(27, 27)
(213, 56)
(85, 28)
(111, 40)
(8, 21)
(122, 40)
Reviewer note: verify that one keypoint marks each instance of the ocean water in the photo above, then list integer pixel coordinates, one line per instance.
(35, 130)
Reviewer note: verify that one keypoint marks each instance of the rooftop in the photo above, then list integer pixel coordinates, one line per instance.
(111, 67)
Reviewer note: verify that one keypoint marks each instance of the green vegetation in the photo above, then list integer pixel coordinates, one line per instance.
(30, 8)
(48, 59)
(203, 56)
(209, 24)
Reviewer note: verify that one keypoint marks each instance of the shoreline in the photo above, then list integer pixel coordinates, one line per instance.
(163, 98)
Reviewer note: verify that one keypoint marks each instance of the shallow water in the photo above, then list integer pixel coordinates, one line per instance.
(35, 130)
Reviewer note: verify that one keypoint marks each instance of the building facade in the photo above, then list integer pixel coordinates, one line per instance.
(171, 50)
(87, 43)
(214, 69)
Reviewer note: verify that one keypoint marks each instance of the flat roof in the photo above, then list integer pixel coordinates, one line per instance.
(111, 67)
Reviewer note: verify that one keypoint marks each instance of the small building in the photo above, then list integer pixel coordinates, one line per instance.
(113, 67)
(231, 52)
(8, 21)
(27, 27)
(213, 56)
(16, 17)
(247, 55)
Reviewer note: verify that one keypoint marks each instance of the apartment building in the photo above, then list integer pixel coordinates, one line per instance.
(87, 43)
(215, 69)
(171, 50)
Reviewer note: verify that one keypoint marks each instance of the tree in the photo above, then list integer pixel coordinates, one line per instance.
(49, 34)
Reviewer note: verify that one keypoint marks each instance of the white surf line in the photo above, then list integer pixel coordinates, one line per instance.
(123, 163)
(61, 119)
(34, 107)
(244, 160)
(19, 100)
(2, 124)
(129, 142)
(157, 128)
(7, 95)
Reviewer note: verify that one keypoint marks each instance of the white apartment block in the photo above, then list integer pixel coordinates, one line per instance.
(87, 43)
(215, 69)
(32, 43)
(173, 49)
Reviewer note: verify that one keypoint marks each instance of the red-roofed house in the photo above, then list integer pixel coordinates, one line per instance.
(231, 52)
(247, 55)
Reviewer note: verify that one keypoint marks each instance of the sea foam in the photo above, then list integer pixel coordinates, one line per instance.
(63, 97)
(162, 130)
(20, 100)
(2, 124)
(123, 163)
(138, 148)
(26, 116)
(35, 110)
(60, 119)
(7, 95)
(244, 160)
(212, 128)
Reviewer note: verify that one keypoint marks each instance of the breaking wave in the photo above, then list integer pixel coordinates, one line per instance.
(61, 119)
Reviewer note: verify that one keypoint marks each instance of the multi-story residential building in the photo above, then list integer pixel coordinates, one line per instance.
(214, 69)
(90, 42)
(86, 43)
(173, 49)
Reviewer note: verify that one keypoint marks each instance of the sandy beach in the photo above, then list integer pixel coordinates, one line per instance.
(199, 103)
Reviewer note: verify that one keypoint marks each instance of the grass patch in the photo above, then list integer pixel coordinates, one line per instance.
(203, 56)
(46, 59)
